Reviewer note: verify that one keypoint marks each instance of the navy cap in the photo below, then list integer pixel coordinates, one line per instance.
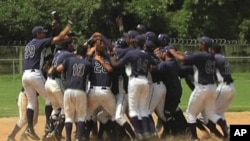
(149, 45)
(121, 42)
(141, 28)
(38, 29)
(131, 34)
(151, 35)
(167, 48)
(163, 37)
(206, 40)
(140, 38)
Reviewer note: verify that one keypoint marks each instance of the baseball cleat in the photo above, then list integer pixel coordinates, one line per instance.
(31, 133)
(10, 138)
(23, 137)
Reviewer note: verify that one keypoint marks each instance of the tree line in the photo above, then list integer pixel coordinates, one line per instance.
(186, 19)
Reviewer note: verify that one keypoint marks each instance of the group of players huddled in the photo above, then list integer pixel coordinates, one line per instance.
(117, 87)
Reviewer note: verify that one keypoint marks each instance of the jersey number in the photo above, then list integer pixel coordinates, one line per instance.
(30, 51)
(98, 68)
(210, 67)
(78, 70)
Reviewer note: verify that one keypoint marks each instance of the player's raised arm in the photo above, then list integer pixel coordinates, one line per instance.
(177, 55)
(62, 34)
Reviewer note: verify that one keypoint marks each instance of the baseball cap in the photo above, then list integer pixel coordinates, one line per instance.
(149, 44)
(121, 42)
(141, 28)
(38, 29)
(131, 34)
(140, 38)
(206, 40)
(163, 37)
(151, 35)
(167, 48)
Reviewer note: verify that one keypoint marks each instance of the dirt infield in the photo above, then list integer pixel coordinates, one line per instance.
(7, 124)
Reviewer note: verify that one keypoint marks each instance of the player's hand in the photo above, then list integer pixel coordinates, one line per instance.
(99, 59)
(119, 20)
(70, 22)
(172, 50)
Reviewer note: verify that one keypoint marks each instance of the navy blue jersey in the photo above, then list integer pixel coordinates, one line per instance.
(77, 70)
(155, 74)
(204, 67)
(139, 60)
(35, 52)
(117, 73)
(58, 59)
(99, 76)
(186, 70)
(223, 72)
(169, 71)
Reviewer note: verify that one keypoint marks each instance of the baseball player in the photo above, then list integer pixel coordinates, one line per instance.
(22, 105)
(156, 99)
(120, 89)
(32, 79)
(138, 87)
(100, 93)
(140, 28)
(54, 87)
(225, 88)
(77, 69)
(175, 122)
(162, 41)
(204, 95)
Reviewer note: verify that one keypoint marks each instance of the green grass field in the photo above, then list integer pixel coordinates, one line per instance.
(11, 85)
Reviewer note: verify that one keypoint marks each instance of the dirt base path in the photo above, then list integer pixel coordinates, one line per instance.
(7, 124)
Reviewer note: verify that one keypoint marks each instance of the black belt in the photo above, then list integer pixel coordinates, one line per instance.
(158, 82)
(135, 75)
(53, 77)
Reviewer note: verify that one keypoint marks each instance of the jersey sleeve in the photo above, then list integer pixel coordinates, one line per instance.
(47, 42)
(191, 59)
(65, 62)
